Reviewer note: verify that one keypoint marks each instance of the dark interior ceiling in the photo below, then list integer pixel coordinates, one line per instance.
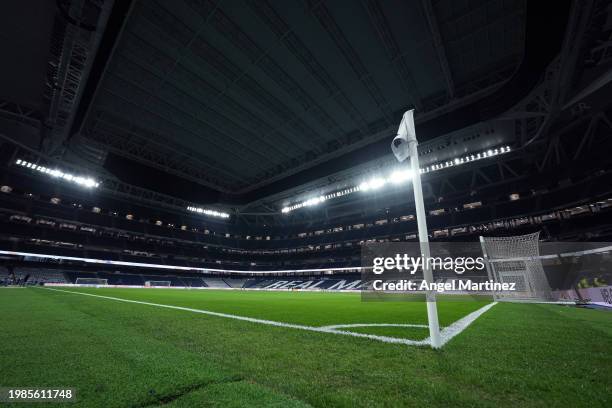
(241, 97)
(233, 102)
(26, 50)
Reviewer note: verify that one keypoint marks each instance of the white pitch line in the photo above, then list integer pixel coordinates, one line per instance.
(460, 325)
(347, 326)
(456, 327)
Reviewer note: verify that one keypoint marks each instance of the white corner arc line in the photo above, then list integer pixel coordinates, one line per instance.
(447, 333)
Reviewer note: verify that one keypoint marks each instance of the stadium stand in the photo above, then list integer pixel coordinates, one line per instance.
(217, 283)
(235, 282)
(31, 276)
(309, 249)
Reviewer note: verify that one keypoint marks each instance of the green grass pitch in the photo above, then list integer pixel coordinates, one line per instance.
(120, 354)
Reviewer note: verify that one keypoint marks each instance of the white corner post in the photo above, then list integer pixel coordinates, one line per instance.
(407, 136)
(432, 309)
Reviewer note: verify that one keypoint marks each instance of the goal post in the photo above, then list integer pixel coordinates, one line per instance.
(152, 283)
(516, 259)
(91, 281)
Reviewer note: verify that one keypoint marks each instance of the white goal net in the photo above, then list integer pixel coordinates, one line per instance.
(157, 283)
(91, 281)
(517, 260)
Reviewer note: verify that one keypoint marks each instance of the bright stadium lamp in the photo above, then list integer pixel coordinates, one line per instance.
(56, 173)
(400, 176)
(376, 183)
(372, 184)
(396, 178)
(404, 145)
(365, 186)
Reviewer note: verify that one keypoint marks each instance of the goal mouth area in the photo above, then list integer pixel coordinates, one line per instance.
(550, 272)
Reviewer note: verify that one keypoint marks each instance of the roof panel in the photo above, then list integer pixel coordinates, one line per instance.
(270, 87)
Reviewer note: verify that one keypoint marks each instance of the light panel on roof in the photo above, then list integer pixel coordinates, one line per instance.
(56, 173)
(397, 177)
(209, 212)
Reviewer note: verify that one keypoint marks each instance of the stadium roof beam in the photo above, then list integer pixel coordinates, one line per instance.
(550, 95)
(199, 119)
(381, 25)
(76, 60)
(23, 114)
(589, 137)
(121, 13)
(277, 73)
(580, 17)
(296, 46)
(327, 21)
(439, 46)
(557, 151)
(182, 128)
(150, 152)
(191, 80)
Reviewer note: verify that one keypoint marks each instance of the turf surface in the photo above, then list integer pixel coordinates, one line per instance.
(130, 355)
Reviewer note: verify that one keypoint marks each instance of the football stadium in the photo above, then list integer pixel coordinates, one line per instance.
(306, 203)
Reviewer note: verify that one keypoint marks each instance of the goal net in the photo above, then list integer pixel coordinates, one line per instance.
(517, 260)
(157, 283)
(91, 281)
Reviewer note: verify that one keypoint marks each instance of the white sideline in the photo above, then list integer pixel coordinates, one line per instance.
(346, 326)
(446, 334)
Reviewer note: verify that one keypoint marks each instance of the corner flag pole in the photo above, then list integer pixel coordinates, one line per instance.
(404, 145)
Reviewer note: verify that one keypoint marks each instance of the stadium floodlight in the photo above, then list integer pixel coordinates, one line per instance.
(404, 146)
(311, 202)
(398, 177)
(372, 184)
(209, 212)
(56, 173)
(314, 201)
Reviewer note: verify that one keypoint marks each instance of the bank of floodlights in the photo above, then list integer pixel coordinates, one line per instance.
(87, 182)
(396, 178)
(209, 212)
